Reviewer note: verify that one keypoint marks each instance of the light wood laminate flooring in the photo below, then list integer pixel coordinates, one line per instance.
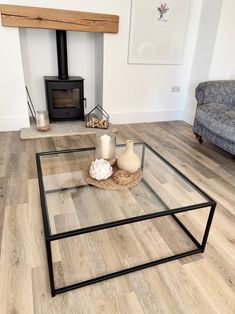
(199, 284)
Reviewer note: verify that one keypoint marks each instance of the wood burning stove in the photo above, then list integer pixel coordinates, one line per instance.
(64, 94)
(65, 98)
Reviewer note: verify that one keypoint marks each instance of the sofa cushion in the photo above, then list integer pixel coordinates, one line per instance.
(219, 92)
(219, 118)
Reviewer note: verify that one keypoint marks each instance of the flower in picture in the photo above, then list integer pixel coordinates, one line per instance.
(162, 9)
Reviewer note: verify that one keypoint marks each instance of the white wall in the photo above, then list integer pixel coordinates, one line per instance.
(99, 65)
(136, 93)
(38, 50)
(13, 105)
(223, 60)
(131, 93)
(205, 45)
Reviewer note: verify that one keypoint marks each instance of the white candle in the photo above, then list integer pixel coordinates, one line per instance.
(105, 146)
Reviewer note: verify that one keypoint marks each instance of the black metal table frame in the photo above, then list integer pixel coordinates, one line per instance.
(169, 212)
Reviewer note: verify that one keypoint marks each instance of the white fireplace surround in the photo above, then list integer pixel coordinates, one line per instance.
(129, 92)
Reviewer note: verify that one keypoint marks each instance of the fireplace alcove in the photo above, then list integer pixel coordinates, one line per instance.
(70, 92)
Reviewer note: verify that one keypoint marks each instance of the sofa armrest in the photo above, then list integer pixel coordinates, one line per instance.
(219, 92)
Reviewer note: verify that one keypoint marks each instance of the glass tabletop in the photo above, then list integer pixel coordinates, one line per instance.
(73, 204)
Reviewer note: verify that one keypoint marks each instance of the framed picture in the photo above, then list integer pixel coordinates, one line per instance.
(157, 31)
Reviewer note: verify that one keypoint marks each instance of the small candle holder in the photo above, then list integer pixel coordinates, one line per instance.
(42, 121)
(105, 146)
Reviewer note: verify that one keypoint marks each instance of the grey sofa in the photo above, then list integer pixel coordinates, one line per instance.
(215, 114)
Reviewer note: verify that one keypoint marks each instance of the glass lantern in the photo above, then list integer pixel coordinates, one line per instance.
(42, 121)
(105, 146)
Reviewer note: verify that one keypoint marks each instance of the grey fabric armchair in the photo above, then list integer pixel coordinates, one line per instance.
(215, 114)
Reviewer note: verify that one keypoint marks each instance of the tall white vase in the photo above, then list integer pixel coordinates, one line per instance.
(129, 160)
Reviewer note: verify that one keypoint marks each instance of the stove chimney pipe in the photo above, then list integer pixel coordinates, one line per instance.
(61, 43)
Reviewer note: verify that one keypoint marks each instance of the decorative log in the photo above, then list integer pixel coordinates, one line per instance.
(34, 17)
(97, 123)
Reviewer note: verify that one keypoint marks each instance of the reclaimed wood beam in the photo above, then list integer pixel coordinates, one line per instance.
(35, 17)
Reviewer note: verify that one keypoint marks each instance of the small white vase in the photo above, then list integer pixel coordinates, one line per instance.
(129, 160)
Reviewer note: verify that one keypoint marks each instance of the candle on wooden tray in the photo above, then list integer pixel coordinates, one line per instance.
(105, 147)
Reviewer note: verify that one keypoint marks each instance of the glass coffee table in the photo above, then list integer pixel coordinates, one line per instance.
(131, 228)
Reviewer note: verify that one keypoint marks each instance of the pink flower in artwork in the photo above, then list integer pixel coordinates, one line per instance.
(162, 9)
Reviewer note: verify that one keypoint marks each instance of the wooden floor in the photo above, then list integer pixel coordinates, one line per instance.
(199, 284)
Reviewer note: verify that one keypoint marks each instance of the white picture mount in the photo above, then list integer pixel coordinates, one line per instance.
(157, 31)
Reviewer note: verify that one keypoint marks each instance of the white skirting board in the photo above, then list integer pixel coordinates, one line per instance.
(145, 116)
(188, 116)
(12, 123)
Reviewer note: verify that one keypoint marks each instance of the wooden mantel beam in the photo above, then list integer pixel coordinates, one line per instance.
(35, 17)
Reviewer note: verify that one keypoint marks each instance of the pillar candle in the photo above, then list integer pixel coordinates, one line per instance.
(105, 146)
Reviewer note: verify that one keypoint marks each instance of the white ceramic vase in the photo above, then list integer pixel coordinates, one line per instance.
(129, 160)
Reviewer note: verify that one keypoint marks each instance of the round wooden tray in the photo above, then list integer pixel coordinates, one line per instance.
(120, 179)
